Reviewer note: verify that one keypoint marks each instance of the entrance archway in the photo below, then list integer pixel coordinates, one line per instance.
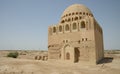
(68, 53)
(67, 56)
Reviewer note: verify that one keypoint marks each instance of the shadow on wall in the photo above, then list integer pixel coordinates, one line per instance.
(106, 60)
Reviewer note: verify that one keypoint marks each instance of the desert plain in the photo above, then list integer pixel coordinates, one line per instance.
(25, 63)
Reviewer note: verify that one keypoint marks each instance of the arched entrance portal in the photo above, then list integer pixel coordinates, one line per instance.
(67, 56)
(68, 53)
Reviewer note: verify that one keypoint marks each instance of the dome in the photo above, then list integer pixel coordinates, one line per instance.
(76, 8)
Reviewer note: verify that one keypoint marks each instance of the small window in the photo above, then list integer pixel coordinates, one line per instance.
(74, 26)
(80, 17)
(49, 46)
(86, 39)
(83, 13)
(67, 27)
(60, 28)
(54, 29)
(76, 13)
(68, 19)
(72, 13)
(76, 18)
(82, 24)
(80, 13)
(69, 14)
(86, 13)
(62, 21)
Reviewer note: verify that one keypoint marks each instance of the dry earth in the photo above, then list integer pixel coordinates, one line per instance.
(25, 64)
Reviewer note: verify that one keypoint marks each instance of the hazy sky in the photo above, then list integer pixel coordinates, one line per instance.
(24, 23)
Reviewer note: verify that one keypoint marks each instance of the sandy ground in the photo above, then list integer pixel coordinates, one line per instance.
(25, 64)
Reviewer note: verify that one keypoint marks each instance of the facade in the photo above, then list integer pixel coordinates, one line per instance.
(77, 37)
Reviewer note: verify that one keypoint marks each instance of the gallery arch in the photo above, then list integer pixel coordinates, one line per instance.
(74, 26)
(60, 28)
(82, 24)
(54, 29)
(67, 27)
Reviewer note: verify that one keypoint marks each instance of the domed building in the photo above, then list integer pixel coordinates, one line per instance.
(77, 37)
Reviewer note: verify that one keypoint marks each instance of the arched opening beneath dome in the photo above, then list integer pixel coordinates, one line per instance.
(74, 26)
(62, 21)
(69, 14)
(76, 13)
(76, 18)
(82, 24)
(89, 14)
(80, 13)
(67, 27)
(83, 13)
(66, 15)
(60, 28)
(86, 13)
(73, 13)
(69, 19)
(54, 29)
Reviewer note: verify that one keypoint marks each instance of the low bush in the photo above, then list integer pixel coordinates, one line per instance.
(13, 54)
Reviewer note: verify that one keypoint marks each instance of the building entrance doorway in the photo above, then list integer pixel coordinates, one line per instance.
(77, 54)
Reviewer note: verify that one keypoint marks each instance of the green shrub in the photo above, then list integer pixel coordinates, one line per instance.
(13, 54)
